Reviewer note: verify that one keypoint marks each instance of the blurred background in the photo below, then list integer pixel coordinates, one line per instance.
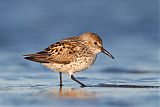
(130, 32)
(129, 28)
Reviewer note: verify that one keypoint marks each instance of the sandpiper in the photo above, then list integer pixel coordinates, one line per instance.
(71, 55)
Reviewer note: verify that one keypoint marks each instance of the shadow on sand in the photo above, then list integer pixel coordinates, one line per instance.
(85, 93)
(123, 86)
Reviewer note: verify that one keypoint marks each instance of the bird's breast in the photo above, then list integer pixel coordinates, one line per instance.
(78, 64)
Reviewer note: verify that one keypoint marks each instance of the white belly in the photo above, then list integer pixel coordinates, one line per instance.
(71, 68)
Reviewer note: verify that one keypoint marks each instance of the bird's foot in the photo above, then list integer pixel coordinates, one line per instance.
(61, 85)
(83, 85)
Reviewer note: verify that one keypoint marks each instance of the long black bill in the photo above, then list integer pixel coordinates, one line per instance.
(107, 53)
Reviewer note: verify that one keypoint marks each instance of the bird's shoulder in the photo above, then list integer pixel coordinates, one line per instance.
(63, 52)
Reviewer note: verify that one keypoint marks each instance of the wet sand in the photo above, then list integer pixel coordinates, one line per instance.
(41, 89)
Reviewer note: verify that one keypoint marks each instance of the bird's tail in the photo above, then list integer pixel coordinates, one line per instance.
(36, 58)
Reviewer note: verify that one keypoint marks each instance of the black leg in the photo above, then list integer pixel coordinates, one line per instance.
(60, 74)
(73, 78)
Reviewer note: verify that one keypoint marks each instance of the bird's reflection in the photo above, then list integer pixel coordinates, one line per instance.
(78, 93)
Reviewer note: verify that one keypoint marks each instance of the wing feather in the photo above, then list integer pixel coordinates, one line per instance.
(62, 52)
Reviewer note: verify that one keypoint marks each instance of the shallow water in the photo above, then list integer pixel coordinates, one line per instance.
(129, 29)
(39, 89)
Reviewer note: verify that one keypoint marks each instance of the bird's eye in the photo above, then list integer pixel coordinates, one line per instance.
(95, 43)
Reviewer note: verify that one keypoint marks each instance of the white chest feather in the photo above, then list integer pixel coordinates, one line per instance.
(75, 66)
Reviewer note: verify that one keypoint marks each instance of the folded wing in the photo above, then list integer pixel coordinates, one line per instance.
(62, 52)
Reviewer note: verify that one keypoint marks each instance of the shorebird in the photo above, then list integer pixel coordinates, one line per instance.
(71, 55)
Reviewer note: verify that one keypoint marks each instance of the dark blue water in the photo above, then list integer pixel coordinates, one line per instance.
(129, 30)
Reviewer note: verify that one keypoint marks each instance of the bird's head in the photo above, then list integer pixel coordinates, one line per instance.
(94, 42)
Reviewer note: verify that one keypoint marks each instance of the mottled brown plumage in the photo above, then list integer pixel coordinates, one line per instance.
(71, 55)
